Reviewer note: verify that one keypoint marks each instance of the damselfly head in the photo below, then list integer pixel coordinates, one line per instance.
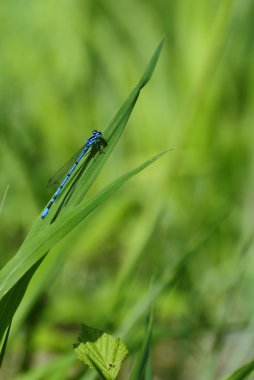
(97, 133)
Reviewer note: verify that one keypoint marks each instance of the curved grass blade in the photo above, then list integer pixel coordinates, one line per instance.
(111, 134)
(40, 243)
(242, 372)
(33, 250)
(16, 275)
(10, 302)
(114, 130)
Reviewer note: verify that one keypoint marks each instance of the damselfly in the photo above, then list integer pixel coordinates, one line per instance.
(96, 142)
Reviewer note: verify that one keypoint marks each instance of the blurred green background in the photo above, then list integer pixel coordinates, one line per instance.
(183, 227)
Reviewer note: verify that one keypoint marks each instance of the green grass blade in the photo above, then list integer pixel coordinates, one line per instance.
(43, 237)
(242, 372)
(34, 249)
(114, 130)
(10, 302)
(148, 370)
(112, 134)
(141, 364)
(4, 345)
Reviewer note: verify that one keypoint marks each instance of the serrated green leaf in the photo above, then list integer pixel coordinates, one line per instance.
(101, 351)
(242, 372)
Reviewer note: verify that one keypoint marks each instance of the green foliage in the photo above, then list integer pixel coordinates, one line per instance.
(243, 372)
(186, 222)
(142, 364)
(17, 273)
(101, 351)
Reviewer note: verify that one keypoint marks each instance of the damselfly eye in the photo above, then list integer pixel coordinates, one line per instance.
(96, 133)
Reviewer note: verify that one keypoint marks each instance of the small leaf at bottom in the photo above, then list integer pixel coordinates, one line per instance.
(101, 351)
